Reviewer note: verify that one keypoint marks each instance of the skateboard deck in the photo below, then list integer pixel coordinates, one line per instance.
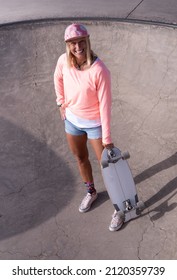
(119, 183)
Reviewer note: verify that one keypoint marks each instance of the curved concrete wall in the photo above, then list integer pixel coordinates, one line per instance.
(142, 60)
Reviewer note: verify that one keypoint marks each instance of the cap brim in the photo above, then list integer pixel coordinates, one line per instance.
(74, 38)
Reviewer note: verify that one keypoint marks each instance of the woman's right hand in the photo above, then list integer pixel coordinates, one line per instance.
(62, 112)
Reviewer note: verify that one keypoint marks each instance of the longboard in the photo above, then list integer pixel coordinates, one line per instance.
(119, 183)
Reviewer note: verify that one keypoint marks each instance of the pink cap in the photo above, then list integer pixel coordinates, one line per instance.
(74, 31)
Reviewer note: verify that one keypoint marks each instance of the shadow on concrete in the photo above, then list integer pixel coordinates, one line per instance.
(164, 207)
(35, 183)
(102, 198)
(169, 188)
(165, 164)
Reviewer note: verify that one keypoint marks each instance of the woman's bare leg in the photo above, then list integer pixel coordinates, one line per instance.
(97, 147)
(78, 146)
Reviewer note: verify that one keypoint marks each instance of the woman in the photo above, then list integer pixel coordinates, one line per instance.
(83, 90)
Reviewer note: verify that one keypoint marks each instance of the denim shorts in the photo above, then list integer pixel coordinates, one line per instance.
(92, 133)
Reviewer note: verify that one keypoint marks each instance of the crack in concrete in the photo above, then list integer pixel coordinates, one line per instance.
(30, 182)
(142, 239)
(149, 114)
(160, 89)
(153, 224)
(162, 244)
(56, 239)
(134, 9)
(68, 239)
(166, 72)
(139, 245)
(13, 253)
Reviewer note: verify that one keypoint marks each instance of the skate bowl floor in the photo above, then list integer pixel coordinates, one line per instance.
(39, 181)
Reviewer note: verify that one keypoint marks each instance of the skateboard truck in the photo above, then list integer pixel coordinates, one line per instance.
(113, 157)
(127, 205)
(111, 153)
(138, 206)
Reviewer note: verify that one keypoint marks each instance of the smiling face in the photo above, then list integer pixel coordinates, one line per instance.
(78, 48)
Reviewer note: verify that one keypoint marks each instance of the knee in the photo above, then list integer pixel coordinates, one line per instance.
(82, 159)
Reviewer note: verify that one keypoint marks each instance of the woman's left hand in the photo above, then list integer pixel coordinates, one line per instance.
(108, 146)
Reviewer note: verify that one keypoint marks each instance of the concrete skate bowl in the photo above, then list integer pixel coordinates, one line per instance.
(36, 177)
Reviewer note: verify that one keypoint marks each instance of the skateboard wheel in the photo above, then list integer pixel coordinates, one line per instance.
(125, 155)
(140, 205)
(104, 164)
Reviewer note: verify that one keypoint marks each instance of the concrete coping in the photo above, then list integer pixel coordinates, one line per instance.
(89, 19)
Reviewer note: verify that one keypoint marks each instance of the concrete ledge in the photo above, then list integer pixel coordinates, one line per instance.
(159, 11)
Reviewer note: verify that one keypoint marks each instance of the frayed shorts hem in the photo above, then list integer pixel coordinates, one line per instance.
(92, 133)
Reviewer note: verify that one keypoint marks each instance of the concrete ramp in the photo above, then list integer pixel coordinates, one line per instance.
(40, 188)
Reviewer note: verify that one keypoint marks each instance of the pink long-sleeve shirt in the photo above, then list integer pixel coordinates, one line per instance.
(87, 93)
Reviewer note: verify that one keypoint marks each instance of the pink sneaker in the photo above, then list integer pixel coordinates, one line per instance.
(116, 222)
(87, 202)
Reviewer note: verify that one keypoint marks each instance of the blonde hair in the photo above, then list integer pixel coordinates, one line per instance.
(71, 61)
